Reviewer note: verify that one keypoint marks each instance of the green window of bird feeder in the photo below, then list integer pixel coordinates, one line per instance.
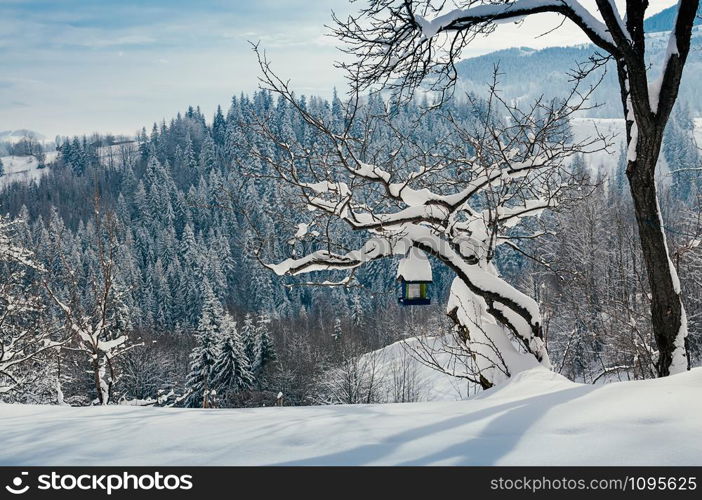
(414, 275)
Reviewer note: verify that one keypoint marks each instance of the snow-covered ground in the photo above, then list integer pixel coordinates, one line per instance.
(539, 418)
(15, 136)
(613, 130)
(118, 154)
(585, 129)
(24, 168)
(698, 130)
(398, 365)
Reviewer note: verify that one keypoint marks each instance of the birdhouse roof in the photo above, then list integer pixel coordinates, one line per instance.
(414, 266)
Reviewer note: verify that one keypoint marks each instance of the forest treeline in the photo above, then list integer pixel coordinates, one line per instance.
(183, 209)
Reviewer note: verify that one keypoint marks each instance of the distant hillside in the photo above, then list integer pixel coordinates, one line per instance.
(13, 136)
(663, 21)
(521, 83)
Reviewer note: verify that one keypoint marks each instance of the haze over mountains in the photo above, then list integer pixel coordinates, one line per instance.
(13, 136)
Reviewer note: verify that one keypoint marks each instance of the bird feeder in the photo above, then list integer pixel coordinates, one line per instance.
(414, 276)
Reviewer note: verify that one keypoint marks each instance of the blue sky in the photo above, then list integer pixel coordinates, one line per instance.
(78, 66)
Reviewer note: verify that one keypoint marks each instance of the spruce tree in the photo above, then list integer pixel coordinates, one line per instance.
(219, 127)
(204, 355)
(264, 351)
(357, 310)
(231, 372)
(336, 334)
(208, 156)
(248, 337)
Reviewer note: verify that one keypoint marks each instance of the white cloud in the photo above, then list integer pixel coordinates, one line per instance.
(116, 66)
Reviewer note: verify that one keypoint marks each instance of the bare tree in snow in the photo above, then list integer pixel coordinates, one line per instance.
(355, 379)
(457, 200)
(95, 314)
(399, 44)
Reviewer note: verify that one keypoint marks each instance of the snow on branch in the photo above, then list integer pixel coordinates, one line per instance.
(24, 334)
(492, 12)
(456, 200)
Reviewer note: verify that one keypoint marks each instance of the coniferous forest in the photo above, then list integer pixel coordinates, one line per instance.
(172, 220)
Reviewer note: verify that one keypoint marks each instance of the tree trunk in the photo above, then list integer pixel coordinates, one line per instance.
(667, 312)
(96, 380)
(464, 335)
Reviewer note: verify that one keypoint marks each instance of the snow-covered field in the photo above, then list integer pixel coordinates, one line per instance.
(605, 161)
(539, 418)
(24, 168)
(118, 154)
(396, 364)
(585, 129)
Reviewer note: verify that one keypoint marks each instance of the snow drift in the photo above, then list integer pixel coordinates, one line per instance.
(538, 418)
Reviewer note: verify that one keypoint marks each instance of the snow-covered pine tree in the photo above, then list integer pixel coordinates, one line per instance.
(204, 355)
(357, 310)
(190, 254)
(231, 372)
(219, 127)
(681, 153)
(336, 334)
(189, 154)
(208, 156)
(248, 338)
(264, 350)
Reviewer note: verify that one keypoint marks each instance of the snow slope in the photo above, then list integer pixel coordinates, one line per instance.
(14, 136)
(613, 129)
(24, 168)
(585, 129)
(399, 361)
(538, 418)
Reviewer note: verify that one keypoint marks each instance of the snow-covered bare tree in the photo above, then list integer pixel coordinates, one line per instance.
(401, 44)
(24, 335)
(354, 379)
(456, 200)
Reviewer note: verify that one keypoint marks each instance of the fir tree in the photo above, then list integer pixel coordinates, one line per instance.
(263, 351)
(336, 334)
(205, 353)
(208, 156)
(219, 127)
(248, 337)
(357, 310)
(231, 372)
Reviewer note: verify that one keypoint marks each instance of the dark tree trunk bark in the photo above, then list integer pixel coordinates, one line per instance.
(96, 380)
(464, 335)
(667, 313)
(646, 110)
